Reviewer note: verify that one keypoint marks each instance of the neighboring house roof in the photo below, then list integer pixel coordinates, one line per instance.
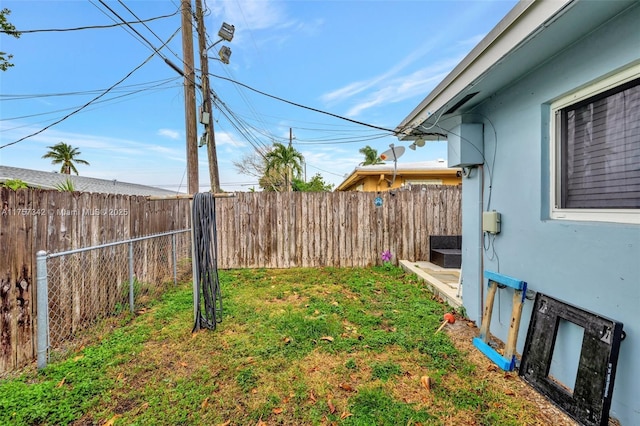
(529, 35)
(49, 180)
(423, 168)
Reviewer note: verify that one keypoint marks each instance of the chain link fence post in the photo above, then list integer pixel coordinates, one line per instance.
(131, 295)
(42, 304)
(175, 263)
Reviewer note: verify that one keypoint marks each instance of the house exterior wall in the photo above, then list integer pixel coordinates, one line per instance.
(592, 265)
(373, 183)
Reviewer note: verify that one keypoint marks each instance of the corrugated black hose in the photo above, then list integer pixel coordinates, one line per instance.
(205, 258)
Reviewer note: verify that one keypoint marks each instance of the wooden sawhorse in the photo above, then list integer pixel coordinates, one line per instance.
(508, 360)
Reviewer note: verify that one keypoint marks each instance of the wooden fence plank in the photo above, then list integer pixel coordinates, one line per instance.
(8, 277)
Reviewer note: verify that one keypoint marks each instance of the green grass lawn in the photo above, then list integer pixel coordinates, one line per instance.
(295, 347)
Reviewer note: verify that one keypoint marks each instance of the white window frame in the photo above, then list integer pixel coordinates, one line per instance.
(599, 215)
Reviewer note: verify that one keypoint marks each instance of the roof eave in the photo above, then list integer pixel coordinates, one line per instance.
(522, 22)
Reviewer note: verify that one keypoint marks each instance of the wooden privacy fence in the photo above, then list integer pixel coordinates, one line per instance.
(342, 229)
(254, 230)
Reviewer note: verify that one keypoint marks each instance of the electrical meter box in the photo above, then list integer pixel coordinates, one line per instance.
(491, 222)
(465, 145)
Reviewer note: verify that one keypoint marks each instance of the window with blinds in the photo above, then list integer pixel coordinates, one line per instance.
(594, 150)
(599, 150)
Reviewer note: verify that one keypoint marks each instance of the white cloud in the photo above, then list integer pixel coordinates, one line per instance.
(248, 15)
(418, 83)
(168, 133)
(391, 86)
(347, 91)
(87, 143)
(357, 87)
(471, 42)
(256, 14)
(229, 140)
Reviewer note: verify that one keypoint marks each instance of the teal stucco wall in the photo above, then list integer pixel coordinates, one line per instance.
(592, 265)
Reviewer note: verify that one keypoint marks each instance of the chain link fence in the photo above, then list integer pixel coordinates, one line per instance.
(76, 288)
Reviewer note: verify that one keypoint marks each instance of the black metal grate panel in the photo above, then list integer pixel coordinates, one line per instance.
(590, 401)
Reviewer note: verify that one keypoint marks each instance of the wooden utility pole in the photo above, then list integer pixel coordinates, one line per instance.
(206, 102)
(190, 98)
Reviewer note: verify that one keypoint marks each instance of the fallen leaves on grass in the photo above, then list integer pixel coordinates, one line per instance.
(205, 403)
(345, 414)
(327, 338)
(426, 382)
(332, 408)
(346, 387)
(112, 420)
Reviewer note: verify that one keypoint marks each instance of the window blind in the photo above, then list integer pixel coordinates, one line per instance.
(600, 150)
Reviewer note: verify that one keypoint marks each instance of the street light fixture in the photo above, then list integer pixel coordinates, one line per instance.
(226, 34)
(226, 31)
(224, 53)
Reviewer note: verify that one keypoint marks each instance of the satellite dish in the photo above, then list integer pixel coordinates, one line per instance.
(392, 154)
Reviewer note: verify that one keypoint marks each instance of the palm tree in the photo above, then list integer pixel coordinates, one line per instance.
(370, 156)
(285, 161)
(66, 155)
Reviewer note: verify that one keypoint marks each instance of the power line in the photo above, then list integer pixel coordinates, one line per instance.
(145, 40)
(325, 171)
(335, 142)
(130, 93)
(229, 72)
(91, 27)
(122, 23)
(243, 123)
(18, 97)
(239, 126)
(303, 106)
(351, 120)
(92, 100)
(131, 27)
(147, 27)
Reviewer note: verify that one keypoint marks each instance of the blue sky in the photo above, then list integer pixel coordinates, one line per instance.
(370, 61)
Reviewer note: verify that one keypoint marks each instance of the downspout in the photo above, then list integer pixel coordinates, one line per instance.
(480, 250)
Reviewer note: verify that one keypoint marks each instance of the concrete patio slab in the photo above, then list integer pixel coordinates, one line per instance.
(444, 282)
